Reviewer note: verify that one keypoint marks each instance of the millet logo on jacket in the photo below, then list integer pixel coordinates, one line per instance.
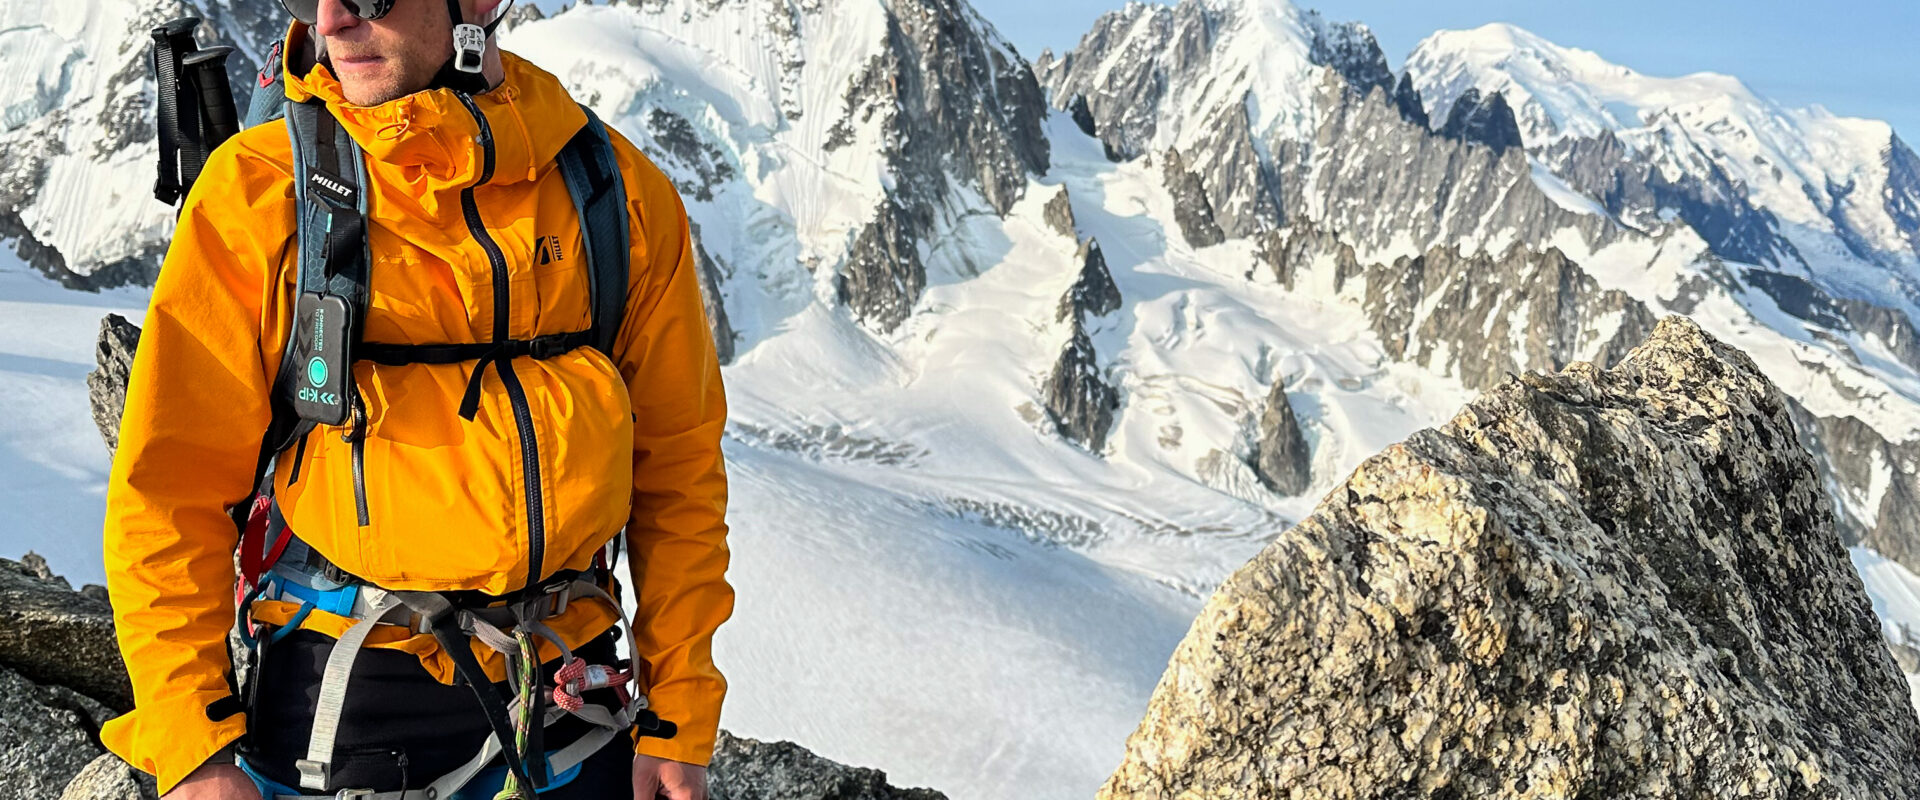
(547, 249)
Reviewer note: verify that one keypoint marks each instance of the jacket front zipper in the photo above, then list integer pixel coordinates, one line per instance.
(516, 394)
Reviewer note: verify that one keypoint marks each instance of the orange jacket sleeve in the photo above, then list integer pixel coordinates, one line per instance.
(196, 409)
(677, 550)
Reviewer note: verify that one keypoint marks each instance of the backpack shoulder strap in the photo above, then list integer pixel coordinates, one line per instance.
(592, 172)
(329, 173)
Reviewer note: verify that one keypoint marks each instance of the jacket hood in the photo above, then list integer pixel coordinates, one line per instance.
(432, 138)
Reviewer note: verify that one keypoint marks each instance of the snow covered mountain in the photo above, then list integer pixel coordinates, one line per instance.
(1024, 359)
(1798, 189)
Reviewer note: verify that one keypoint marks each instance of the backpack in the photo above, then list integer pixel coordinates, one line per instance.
(314, 386)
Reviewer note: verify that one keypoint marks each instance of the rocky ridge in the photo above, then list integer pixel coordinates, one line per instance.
(1597, 583)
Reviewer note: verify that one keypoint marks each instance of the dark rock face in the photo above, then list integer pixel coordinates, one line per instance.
(884, 276)
(712, 299)
(1805, 300)
(953, 101)
(1406, 99)
(1548, 314)
(46, 629)
(1350, 49)
(1242, 192)
(1093, 293)
(1851, 453)
(1281, 459)
(1082, 116)
(1292, 250)
(1436, 309)
(1600, 583)
(1191, 209)
(1378, 179)
(1059, 214)
(1078, 397)
(1633, 187)
(749, 769)
(107, 383)
(683, 150)
(1489, 121)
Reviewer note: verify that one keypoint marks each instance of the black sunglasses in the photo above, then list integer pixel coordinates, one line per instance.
(308, 11)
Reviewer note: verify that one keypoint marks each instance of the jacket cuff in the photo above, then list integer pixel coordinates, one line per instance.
(692, 742)
(171, 740)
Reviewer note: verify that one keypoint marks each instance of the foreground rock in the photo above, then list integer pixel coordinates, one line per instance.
(51, 634)
(47, 735)
(1620, 583)
(749, 769)
(107, 383)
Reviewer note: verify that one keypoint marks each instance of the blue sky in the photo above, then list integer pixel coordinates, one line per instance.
(1856, 58)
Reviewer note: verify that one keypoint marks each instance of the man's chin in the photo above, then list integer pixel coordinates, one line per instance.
(372, 93)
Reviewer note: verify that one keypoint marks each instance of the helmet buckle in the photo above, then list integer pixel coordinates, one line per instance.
(469, 44)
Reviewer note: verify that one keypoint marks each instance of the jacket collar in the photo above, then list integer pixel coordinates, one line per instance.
(432, 138)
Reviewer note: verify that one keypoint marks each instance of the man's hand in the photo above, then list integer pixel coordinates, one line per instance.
(216, 782)
(675, 780)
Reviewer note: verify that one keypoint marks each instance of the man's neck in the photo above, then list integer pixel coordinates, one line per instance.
(491, 67)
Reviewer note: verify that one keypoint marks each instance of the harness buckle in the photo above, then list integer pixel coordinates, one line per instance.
(313, 774)
(345, 794)
(547, 347)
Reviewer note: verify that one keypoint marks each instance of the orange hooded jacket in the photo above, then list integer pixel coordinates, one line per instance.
(630, 442)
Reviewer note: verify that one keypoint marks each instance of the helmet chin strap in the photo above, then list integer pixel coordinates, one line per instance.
(463, 70)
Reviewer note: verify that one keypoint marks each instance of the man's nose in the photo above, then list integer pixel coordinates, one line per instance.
(333, 17)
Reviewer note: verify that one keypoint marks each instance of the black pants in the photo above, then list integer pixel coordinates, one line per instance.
(401, 728)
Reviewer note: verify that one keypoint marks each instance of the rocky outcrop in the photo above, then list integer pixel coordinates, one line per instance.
(1646, 192)
(1192, 211)
(1281, 458)
(51, 634)
(749, 769)
(1059, 214)
(1078, 398)
(107, 383)
(1383, 181)
(1435, 310)
(1600, 583)
(1487, 121)
(1093, 293)
(712, 299)
(698, 165)
(884, 276)
(1406, 99)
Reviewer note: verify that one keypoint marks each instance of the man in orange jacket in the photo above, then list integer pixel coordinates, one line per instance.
(564, 452)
